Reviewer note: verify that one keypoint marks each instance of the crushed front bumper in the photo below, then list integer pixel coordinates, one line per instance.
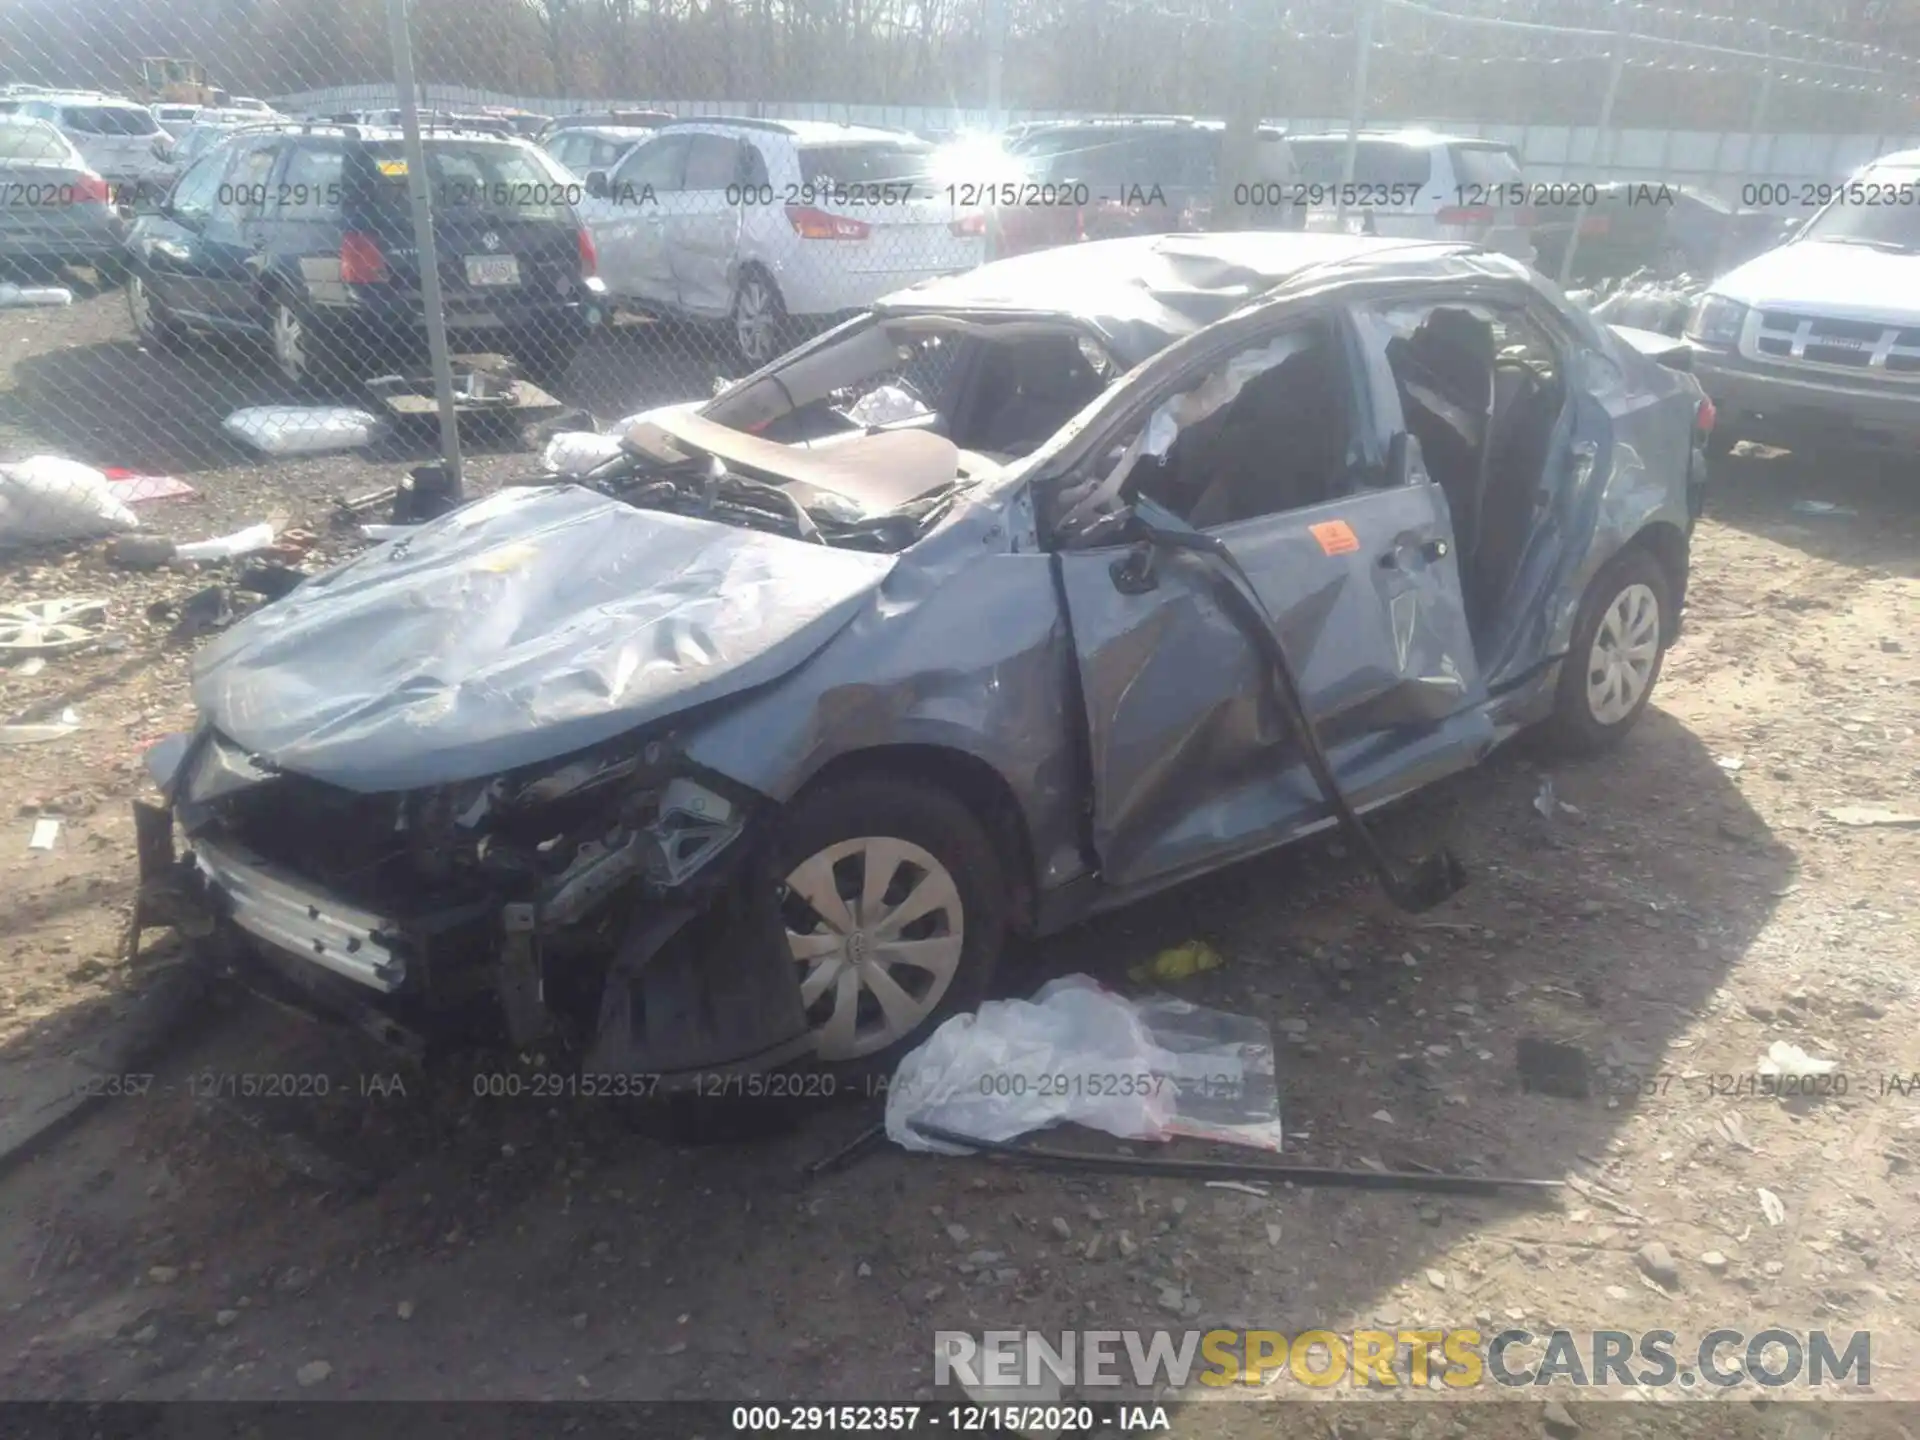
(698, 984)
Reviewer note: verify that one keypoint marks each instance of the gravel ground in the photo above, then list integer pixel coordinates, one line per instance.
(1690, 901)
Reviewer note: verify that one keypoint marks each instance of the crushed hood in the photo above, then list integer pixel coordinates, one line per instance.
(519, 629)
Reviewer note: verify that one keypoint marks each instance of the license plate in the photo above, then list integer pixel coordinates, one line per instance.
(493, 270)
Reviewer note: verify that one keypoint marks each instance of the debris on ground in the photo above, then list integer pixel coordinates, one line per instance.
(1771, 1207)
(131, 488)
(201, 613)
(982, 1075)
(1552, 1068)
(1871, 815)
(302, 429)
(140, 552)
(45, 832)
(1825, 510)
(48, 627)
(1790, 1062)
(226, 547)
(31, 734)
(272, 581)
(1178, 962)
(46, 498)
(1656, 1263)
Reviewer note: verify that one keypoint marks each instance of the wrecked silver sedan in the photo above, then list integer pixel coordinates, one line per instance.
(1032, 592)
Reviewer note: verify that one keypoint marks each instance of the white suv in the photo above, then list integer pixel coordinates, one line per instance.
(755, 222)
(1419, 184)
(1819, 340)
(119, 139)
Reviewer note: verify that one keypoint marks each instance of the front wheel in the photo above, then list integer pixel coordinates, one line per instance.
(1619, 641)
(894, 907)
(759, 318)
(151, 321)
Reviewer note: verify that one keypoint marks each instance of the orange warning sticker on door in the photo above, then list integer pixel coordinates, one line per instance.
(1336, 537)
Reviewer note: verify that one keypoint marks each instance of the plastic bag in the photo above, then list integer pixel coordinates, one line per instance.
(575, 452)
(46, 497)
(302, 429)
(1141, 1070)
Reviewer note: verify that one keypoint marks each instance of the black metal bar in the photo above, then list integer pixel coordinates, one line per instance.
(1177, 1168)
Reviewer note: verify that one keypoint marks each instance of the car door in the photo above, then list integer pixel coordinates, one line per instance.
(1347, 543)
(235, 236)
(628, 222)
(703, 224)
(171, 247)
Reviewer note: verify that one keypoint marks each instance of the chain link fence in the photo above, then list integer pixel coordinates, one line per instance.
(284, 246)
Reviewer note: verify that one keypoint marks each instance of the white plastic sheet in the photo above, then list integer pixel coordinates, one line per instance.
(225, 547)
(1154, 1069)
(302, 429)
(46, 497)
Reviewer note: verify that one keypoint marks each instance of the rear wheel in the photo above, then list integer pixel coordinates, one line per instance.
(306, 355)
(1619, 641)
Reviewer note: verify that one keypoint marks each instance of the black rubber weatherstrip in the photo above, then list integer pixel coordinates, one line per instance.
(1176, 1168)
(1430, 880)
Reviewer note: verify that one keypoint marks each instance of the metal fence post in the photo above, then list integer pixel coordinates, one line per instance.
(1357, 108)
(1614, 71)
(419, 192)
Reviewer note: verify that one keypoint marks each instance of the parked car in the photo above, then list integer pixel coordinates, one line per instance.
(1817, 342)
(756, 751)
(761, 223)
(253, 105)
(596, 119)
(54, 209)
(211, 127)
(120, 140)
(174, 119)
(305, 236)
(1416, 183)
(1627, 226)
(584, 149)
(1074, 180)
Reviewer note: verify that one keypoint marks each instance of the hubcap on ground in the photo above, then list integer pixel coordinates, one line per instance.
(876, 927)
(753, 320)
(1620, 665)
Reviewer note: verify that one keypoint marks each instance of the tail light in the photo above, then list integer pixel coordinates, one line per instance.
(1704, 418)
(1466, 215)
(974, 224)
(91, 189)
(812, 224)
(361, 259)
(589, 255)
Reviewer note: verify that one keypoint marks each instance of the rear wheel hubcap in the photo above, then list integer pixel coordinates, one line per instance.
(753, 320)
(1620, 664)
